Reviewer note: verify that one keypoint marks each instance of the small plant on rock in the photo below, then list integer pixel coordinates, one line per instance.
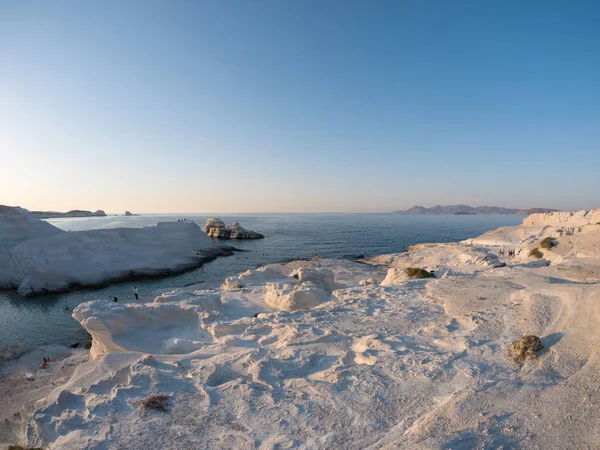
(525, 348)
(547, 243)
(88, 345)
(535, 253)
(156, 402)
(417, 272)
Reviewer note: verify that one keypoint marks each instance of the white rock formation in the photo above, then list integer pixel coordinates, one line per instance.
(480, 258)
(292, 297)
(213, 223)
(215, 228)
(399, 365)
(254, 277)
(563, 219)
(205, 299)
(323, 278)
(368, 282)
(18, 225)
(394, 276)
(96, 257)
(149, 327)
(538, 226)
(436, 258)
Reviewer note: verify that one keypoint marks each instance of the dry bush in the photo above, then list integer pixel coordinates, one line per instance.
(535, 253)
(547, 243)
(156, 402)
(525, 348)
(417, 272)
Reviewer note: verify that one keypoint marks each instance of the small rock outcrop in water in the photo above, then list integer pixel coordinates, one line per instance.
(127, 213)
(525, 348)
(216, 228)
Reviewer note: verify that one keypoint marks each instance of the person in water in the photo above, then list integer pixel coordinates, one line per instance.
(135, 292)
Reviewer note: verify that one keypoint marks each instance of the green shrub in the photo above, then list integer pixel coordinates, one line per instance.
(547, 243)
(535, 253)
(417, 272)
(88, 345)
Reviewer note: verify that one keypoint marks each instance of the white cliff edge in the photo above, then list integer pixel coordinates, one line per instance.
(42, 258)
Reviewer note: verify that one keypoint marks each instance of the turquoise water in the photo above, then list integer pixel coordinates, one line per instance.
(25, 323)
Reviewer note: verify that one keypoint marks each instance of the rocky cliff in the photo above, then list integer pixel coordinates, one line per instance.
(466, 209)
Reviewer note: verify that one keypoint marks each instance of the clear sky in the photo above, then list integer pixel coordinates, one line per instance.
(299, 105)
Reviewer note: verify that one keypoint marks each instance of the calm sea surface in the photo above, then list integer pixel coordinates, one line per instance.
(25, 323)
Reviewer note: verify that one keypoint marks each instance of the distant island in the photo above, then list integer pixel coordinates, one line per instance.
(470, 210)
(72, 213)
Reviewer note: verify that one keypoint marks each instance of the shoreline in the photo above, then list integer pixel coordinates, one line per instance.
(287, 353)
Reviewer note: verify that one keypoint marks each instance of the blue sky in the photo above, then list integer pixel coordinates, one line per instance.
(328, 106)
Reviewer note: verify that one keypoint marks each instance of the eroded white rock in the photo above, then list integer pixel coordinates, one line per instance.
(205, 299)
(368, 282)
(292, 297)
(394, 276)
(323, 278)
(146, 327)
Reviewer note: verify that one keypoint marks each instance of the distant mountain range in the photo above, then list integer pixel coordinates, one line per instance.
(466, 209)
(73, 213)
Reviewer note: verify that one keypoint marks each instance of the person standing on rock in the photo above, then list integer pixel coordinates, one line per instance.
(135, 292)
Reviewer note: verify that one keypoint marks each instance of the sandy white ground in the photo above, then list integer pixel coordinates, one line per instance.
(402, 363)
(41, 260)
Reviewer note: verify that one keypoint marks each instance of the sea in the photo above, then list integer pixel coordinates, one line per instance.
(26, 323)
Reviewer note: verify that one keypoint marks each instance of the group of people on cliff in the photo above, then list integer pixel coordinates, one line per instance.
(510, 253)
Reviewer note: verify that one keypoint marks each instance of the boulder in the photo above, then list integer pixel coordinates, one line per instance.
(394, 276)
(290, 297)
(368, 282)
(238, 232)
(480, 258)
(323, 278)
